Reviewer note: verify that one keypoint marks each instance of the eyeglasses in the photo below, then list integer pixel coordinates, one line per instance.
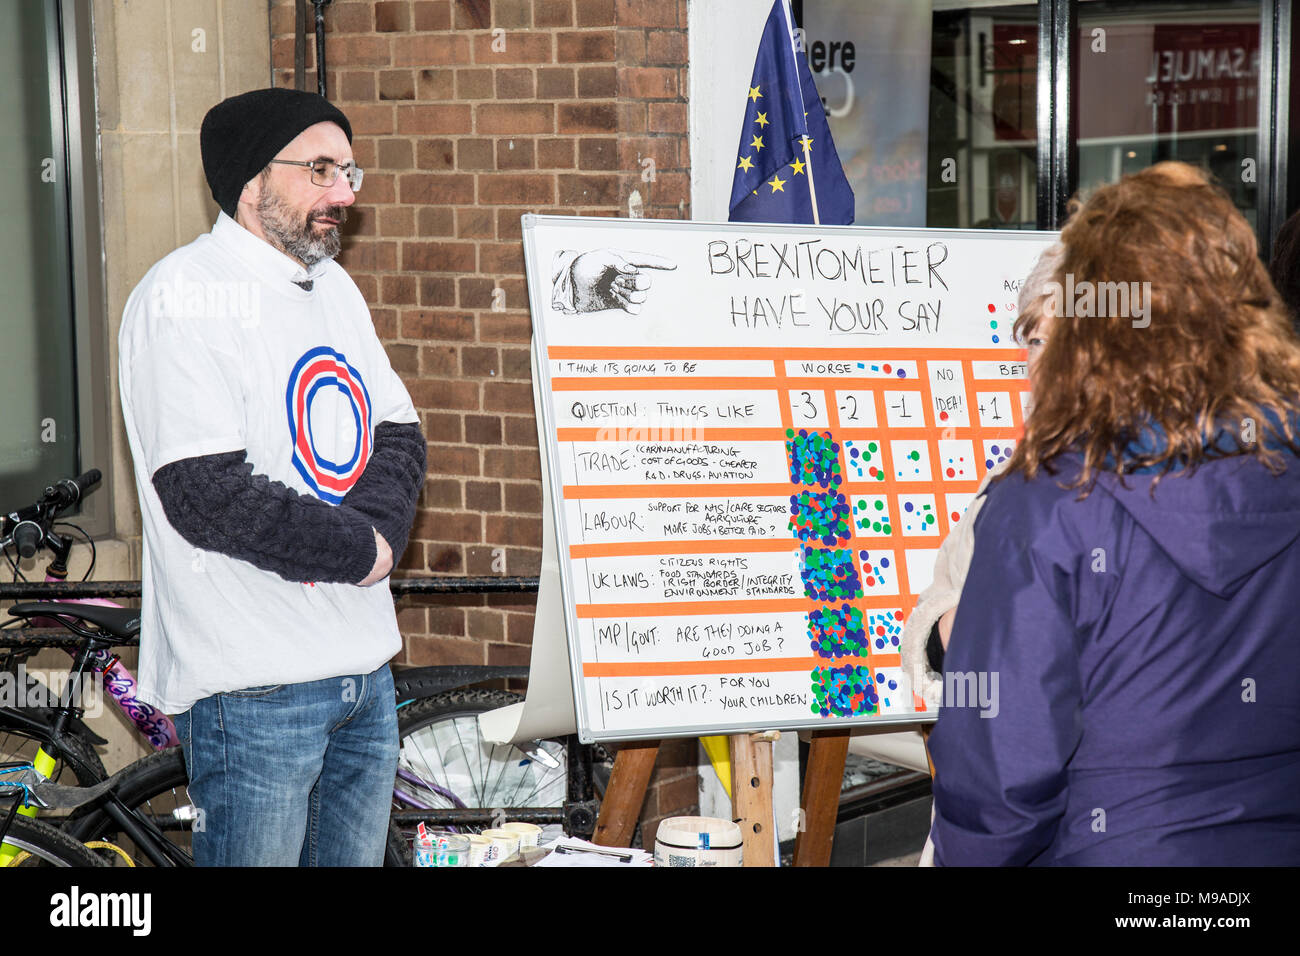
(325, 172)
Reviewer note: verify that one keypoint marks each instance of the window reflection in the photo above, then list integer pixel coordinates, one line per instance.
(1164, 80)
(1155, 80)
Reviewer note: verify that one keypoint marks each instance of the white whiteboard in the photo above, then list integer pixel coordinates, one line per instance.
(756, 438)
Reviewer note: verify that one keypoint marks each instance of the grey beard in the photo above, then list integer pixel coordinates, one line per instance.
(297, 238)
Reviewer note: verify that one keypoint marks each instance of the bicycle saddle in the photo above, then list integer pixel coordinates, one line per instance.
(121, 622)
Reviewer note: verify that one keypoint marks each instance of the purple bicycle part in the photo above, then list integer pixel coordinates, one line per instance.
(413, 778)
(153, 724)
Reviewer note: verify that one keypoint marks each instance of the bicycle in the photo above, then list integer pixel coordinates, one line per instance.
(29, 530)
(467, 784)
(431, 787)
(28, 842)
(447, 774)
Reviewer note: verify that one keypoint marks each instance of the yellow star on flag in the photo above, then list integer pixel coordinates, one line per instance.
(777, 184)
(745, 164)
(757, 143)
(806, 142)
(797, 166)
(754, 94)
(762, 120)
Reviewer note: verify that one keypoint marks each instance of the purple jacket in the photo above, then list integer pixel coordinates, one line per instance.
(1131, 673)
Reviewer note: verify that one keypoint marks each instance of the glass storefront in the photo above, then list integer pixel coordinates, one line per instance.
(1147, 81)
(1161, 81)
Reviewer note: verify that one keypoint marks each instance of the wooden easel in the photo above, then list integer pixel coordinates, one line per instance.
(751, 783)
(751, 789)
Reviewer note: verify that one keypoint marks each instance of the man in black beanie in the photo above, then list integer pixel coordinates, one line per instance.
(278, 459)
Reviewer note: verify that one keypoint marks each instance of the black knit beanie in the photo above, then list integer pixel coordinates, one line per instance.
(240, 135)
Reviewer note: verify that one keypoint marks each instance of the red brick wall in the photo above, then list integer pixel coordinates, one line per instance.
(466, 115)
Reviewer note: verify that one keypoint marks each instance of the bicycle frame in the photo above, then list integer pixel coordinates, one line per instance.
(158, 729)
(120, 683)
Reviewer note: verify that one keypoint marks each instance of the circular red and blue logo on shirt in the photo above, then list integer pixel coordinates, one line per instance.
(329, 422)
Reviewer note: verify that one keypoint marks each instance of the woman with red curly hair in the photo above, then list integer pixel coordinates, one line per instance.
(1126, 638)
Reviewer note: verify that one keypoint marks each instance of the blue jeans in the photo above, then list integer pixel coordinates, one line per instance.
(293, 774)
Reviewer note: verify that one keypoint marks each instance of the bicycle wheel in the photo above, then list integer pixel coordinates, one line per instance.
(43, 845)
(156, 788)
(446, 764)
(21, 741)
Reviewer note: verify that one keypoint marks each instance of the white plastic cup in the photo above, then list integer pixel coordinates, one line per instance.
(482, 848)
(529, 833)
(507, 840)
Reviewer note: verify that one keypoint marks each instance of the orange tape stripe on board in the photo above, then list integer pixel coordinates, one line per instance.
(640, 433)
(771, 665)
(675, 606)
(773, 353)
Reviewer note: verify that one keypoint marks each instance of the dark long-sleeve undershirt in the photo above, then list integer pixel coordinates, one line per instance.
(934, 650)
(215, 502)
(388, 489)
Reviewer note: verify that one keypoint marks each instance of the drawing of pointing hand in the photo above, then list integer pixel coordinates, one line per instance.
(608, 279)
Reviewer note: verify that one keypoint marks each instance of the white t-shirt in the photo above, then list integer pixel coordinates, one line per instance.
(220, 351)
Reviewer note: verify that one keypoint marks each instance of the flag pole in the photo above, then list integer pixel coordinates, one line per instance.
(807, 154)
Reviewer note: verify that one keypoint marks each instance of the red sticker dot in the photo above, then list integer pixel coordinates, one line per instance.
(956, 516)
(951, 472)
(992, 307)
(943, 416)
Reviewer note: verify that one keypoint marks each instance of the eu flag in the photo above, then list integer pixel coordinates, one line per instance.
(774, 181)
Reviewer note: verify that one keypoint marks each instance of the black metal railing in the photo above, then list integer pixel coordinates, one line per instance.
(401, 587)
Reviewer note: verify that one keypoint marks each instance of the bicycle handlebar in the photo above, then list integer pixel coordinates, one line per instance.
(28, 527)
(66, 493)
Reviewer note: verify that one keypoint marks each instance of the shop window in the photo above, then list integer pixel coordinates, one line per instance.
(49, 259)
(1163, 80)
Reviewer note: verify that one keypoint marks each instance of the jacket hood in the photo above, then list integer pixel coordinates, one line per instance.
(1219, 523)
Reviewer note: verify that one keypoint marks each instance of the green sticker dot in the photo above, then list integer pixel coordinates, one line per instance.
(880, 505)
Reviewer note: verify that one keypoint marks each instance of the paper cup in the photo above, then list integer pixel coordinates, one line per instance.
(507, 840)
(481, 848)
(529, 833)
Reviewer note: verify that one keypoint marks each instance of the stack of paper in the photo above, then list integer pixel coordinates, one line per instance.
(569, 851)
